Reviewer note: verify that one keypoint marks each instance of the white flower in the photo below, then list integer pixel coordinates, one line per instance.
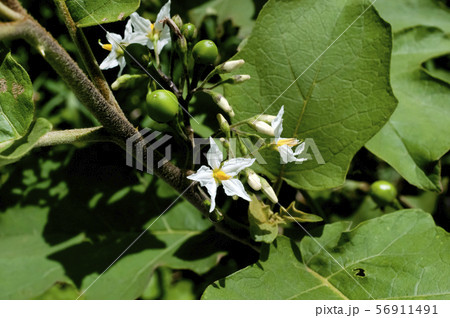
(222, 173)
(156, 33)
(116, 46)
(284, 145)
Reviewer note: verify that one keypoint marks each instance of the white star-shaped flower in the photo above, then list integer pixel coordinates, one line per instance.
(156, 33)
(222, 173)
(116, 46)
(284, 145)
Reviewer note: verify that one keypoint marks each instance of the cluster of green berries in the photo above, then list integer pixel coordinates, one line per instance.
(162, 105)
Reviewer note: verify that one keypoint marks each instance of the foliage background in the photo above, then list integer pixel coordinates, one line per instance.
(67, 212)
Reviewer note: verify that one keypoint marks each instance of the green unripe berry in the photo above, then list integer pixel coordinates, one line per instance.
(189, 31)
(216, 216)
(137, 55)
(383, 193)
(162, 105)
(205, 52)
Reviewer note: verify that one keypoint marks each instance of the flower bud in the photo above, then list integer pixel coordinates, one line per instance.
(189, 31)
(178, 21)
(242, 147)
(268, 190)
(262, 127)
(266, 118)
(125, 81)
(230, 66)
(221, 102)
(223, 123)
(253, 180)
(237, 79)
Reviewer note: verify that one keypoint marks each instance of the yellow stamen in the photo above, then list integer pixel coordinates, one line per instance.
(219, 175)
(291, 142)
(152, 26)
(107, 47)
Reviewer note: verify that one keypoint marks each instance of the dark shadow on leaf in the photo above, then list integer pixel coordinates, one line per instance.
(259, 265)
(222, 282)
(204, 244)
(296, 251)
(88, 258)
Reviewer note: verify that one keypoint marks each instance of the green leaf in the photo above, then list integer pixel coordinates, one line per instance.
(403, 14)
(57, 218)
(94, 12)
(239, 11)
(21, 147)
(16, 99)
(263, 223)
(292, 214)
(60, 292)
(332, 79)
(402, 255)
(437, 71)
(416, 135)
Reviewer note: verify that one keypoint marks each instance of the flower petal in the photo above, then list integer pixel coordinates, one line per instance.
(214, 155)
(128, 29)
(203, 175)
(164, 38)
(277, 123)
(122, 62)
(235, 187)
(110, 61)
(233, 166)
(140, 24)
(300, 148)
(114, 39)
(286, 154)
(163, 13)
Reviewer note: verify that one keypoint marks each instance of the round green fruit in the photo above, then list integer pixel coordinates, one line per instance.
(216, 216)
(205, 52)
(162, 105)
(189, 31)
(383, 192)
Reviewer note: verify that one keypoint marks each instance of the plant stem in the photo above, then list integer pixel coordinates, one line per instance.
(8, 13)
(62, 137)
(113, 121)
(16, 6)
(86, 54)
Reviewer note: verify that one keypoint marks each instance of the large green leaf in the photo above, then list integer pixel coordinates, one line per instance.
(402, 14)
(402, 255)
(93, 12)
(21, 147)
(240, 12)
(332, 78)
(416, 135)
(16, 99)
(67, 222)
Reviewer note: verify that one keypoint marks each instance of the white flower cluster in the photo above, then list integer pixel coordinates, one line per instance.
(283, 145)
(137, 30)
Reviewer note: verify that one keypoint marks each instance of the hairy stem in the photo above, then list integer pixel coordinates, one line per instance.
(15, 5)
(61, 137)
(86, 54)
(113, 121)
(9, 14)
